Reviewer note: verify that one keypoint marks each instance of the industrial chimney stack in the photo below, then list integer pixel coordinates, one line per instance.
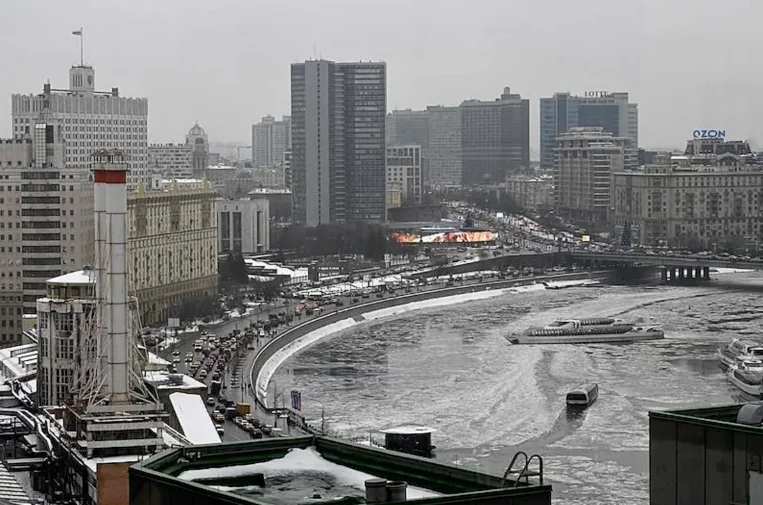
(110, 193)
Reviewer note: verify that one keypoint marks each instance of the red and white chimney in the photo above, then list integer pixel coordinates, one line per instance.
(110, 203)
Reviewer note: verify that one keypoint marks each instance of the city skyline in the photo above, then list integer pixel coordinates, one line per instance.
(209, 55)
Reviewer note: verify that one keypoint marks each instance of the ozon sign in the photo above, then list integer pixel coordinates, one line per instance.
(709, 134)
(596, 94)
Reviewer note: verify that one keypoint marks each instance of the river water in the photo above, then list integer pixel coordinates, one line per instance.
(451, 368)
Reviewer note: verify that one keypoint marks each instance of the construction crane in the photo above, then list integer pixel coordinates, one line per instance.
(238, 153)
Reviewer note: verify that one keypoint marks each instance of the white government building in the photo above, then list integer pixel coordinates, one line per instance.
(91, 120)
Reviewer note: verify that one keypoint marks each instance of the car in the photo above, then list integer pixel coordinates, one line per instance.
(176, 353)
(176, 359)
(220, 429)
(238, 420)
(219, 418)
(211, 400)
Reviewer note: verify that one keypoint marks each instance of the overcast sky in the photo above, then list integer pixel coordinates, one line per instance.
(687, 63)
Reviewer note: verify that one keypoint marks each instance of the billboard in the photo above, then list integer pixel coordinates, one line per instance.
(447, 237)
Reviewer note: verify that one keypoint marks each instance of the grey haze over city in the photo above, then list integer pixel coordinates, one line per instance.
(226, 63)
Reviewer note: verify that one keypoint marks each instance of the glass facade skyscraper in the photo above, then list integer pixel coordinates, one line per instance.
(610, 111)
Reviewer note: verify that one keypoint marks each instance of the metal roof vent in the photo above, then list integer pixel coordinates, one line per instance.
(176, 379)
(751, 414)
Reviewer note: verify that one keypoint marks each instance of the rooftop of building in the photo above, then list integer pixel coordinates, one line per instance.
(182, 181)
(270, 191)
(84, 277)
(725, 417)
(18, 361)
(194, 420)
(263, 271)
(165, 380)
(286, 470)
(220, 167)
(171, 144)
(54, 422)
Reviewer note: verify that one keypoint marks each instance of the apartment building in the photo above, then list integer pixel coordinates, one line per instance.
(710, 197)
(171, 249)
(244, 225)
(533, 193)
(406, 126)
(586, 159)
(404, 167)
(90, 120)
(170, 161)
(270, 140)
(46, 220)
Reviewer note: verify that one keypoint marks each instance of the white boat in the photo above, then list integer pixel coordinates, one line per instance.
(748, 381)
(738, 347)
(597, 330)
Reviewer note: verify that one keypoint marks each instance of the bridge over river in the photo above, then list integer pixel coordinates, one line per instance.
(673, 266)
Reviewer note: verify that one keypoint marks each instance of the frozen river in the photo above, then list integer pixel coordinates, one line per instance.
(451, 368)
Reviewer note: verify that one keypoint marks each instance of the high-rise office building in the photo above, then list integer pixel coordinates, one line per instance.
(410, 127)
(445, 161)
(338, 141)
(495, 138)
(270, 140)
(46, 219)
(611, 111)
(91, 120)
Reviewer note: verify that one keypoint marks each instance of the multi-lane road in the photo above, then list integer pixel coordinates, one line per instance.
(239, 389)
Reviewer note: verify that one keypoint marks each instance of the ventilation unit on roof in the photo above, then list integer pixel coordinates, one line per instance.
(176, 379)
(751, 414)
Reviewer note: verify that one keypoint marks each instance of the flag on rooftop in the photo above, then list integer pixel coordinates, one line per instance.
(77, 32)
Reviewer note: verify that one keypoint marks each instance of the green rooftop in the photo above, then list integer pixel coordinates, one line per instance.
(724, 416)
(315, 470)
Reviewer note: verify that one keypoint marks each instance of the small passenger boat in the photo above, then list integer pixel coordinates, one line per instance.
(738, 347)
(583, 396)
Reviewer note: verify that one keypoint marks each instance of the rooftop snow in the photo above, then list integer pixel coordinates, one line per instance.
(81, 277)
(316, 471)
(161, 380)
(194, 419)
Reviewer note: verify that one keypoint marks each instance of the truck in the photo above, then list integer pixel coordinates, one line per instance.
(214, 388)
(243, 408)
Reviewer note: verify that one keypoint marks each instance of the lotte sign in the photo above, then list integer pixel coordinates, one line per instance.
(709, 134)
(596, 94)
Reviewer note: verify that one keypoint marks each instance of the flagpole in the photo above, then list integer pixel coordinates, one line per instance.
(81, 47)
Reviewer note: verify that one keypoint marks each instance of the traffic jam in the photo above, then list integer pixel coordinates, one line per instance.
(217, 361)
